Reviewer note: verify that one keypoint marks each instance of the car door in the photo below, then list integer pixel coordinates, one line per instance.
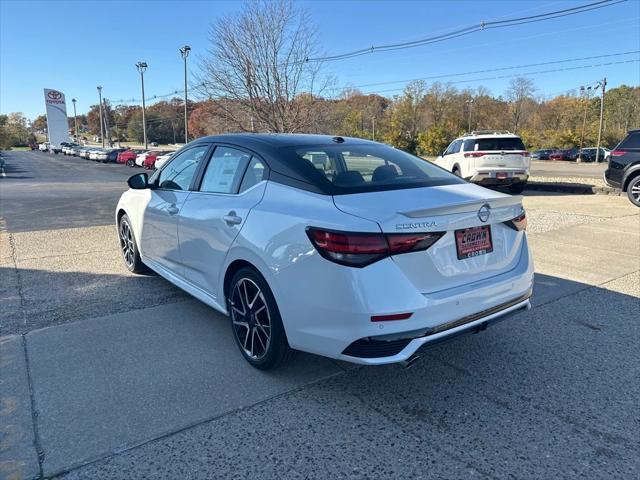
(159, 239)
(211, 218)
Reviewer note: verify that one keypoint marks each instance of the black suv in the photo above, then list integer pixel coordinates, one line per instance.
(623, 170)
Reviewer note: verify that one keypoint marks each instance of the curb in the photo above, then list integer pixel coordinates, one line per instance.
(572, 188)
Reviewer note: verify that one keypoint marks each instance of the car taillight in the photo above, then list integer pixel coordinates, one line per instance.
(361, 249)
(618, 153)
(474, 154)
(525, 154)
(519, 223)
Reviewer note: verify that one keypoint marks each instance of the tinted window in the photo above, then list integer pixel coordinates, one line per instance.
(632, 141)
(469, 145)
(256, 172)
(177, 175)
(224, 170)
(349, 169)
(499, 144)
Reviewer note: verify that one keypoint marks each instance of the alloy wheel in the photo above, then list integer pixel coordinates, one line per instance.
(251, 318)
(126, 243)
(635, 191)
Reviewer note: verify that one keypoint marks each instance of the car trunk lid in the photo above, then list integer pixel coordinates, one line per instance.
(448, 209)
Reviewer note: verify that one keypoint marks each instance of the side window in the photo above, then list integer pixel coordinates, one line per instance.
(469, 145)
(177, 175)
(256, 172)
(224, 170)
(449, 149)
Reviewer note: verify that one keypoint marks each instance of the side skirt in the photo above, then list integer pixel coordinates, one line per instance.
(185, 285)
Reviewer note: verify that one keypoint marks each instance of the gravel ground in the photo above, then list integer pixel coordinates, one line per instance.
(540, 221)
(596, 182)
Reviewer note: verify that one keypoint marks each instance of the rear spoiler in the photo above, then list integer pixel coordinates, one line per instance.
(464, 207)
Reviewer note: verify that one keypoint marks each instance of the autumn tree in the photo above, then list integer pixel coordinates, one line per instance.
(259, 60)
(520, 95)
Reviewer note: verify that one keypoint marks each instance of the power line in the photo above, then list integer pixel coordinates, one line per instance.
(523, 74)
(446, 75)
(469, 30)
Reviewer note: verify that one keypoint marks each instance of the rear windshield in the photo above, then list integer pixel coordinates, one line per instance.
(632, 141)
(483, 144)
(364, 168)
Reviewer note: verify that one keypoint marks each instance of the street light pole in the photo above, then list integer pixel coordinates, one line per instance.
(142, 67)
(75, 120)
(470, 103)
(184, 51)
(586, 91)
(603, 85)
(101, 123)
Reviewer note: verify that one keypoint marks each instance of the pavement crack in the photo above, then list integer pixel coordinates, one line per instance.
(12, 246)
(34, 412)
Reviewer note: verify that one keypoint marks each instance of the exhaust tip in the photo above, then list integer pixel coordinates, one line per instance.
(410, 362)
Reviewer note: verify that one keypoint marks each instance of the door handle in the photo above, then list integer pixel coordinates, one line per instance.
(172, 209)
(232, 219)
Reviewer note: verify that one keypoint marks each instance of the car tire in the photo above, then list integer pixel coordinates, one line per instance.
(129, 247)
(130, 163)
(255, 321)
(456, 172)
(517, 187)
(633, 190)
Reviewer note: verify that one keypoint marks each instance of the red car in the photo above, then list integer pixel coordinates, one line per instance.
(128, 156)
(150, 159)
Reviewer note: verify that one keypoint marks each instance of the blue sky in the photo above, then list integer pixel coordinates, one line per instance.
(74, 46)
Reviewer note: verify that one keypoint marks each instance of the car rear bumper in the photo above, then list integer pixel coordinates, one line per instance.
(495, 177)
(342, 328)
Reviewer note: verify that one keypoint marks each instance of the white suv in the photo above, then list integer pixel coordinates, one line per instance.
(488, 157)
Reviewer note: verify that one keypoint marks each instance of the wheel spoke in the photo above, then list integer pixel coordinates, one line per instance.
(264, 347)
(246, 338)
(253, 335)
(242, 324)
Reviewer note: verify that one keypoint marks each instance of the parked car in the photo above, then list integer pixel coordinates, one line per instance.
(568, 154)
(490, 158)
(33, 146)
(111, 155)
(162, 159)
(53, 148)
(128, 157)
(541, 154)
(68, 148)
(623, 169)
(141, 157)
(84, 152)
(151, 158)
(365, 257)
(589, 154)
(93, 154)
(43, 147)
(75, 151)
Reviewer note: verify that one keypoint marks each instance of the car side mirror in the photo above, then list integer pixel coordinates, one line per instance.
(140, 181)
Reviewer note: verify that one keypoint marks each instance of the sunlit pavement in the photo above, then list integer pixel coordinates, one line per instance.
(108, 375)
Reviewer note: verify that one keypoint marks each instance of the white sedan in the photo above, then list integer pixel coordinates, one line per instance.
(162, 159)
(336, 246)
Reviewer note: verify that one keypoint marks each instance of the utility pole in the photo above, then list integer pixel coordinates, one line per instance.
(373, 128)
(142, 67)
(101, 124)
(106, 123)
(470, 103)
(184, 51)
(587, 91)
(75, 120)
(603, 85)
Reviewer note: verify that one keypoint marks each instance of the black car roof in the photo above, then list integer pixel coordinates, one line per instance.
(269, 146)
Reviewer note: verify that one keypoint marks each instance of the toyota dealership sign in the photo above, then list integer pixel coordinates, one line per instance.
(57, 123)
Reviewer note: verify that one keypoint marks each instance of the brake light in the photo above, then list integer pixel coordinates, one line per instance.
(525, 154)
(474, 154)
(519, 223)
(618, 153)
(356, 249)
(386, 318)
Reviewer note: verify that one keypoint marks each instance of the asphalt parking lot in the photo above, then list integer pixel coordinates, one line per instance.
(109, 375)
